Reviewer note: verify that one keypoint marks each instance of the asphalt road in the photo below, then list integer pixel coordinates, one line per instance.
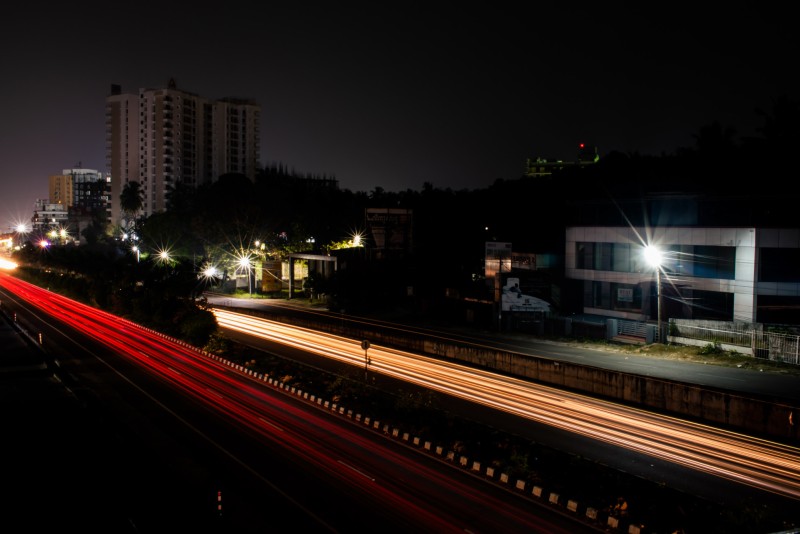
(47, 481)
(66, 467)
(636, 464)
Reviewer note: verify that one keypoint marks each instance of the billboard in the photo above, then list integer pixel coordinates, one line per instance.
(514, 300)
(390, 228)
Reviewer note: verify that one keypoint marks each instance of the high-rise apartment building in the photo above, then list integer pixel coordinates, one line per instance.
(163, 137)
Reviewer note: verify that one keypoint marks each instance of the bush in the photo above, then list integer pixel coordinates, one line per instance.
(198, 326)
(712, 348)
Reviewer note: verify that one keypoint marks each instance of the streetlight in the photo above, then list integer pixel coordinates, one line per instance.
(206, 277)
(244, 261)
(654, 257)
(210, 272)
(21, 229)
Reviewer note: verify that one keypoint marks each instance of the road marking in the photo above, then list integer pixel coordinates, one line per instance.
(276, 427)
(360, 472)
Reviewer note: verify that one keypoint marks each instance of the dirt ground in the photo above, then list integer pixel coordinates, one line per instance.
(709, 355)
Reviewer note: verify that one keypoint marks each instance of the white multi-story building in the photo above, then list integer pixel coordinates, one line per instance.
(724, 273)
(163, 137)
(49, 215)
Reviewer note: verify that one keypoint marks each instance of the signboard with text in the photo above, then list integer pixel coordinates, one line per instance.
(497, 258)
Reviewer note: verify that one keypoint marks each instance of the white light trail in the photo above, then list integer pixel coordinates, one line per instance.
(756, 462)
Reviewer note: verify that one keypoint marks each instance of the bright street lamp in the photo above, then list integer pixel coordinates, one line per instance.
(210, 272)
(21, 229)
(655, 257)
(206, 277)
(244, 262)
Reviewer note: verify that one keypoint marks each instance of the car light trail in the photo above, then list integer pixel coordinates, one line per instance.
(756, 462)
(324, 447)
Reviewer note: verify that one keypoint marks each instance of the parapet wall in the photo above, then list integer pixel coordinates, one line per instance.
(763, 416)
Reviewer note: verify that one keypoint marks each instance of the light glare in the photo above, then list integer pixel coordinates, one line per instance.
(653, 256)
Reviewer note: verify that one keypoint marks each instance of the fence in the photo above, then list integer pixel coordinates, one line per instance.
(746, 338)
(775, 346)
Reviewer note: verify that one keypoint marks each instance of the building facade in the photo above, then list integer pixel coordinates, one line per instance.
(49, 216)
(60, 189)
(165, 137)
(724, 273)
(84, 192)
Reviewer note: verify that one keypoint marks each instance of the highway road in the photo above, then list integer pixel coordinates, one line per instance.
(754, 462)
(195, 445)
(654, 460)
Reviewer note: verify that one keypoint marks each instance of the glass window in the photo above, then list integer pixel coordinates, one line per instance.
(712, 305)
(714, 262)
(621, 258)
(779, 265)
(602, 259)
(626, 296)
(597, 294)
(583, 255)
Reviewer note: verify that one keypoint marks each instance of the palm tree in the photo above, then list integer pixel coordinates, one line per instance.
(131, 200)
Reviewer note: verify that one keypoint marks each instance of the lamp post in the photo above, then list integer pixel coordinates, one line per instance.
(658, 290)
(244, 261)
(654, 257)
(21, 229)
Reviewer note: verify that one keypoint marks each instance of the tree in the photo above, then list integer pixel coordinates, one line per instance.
(131, 199)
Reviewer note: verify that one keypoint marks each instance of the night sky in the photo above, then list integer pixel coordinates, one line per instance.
(392, 97)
